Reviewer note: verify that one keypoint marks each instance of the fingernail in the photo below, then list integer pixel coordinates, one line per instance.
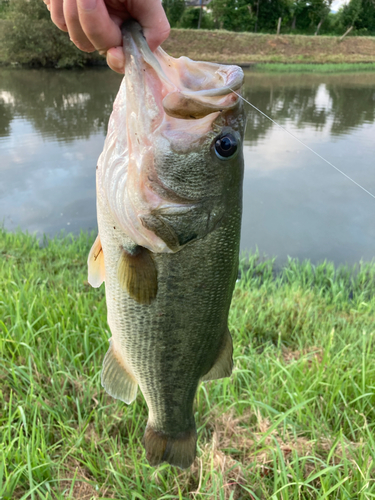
(87, 4)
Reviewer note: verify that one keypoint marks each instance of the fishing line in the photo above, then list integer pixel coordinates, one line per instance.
(305, 145)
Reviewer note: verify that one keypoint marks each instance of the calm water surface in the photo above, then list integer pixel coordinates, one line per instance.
(52, 130)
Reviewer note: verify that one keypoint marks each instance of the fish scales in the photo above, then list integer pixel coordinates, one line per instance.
(169, 215)
(177, 334)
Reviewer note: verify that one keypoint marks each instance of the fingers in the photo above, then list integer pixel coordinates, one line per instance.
(101, 21)
(151, 16)
(76, 33)
(101, 29)
(95, 24)
(57, 14)
(116, 59)
(88, 22)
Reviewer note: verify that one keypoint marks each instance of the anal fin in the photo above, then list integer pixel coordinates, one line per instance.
(95, 262)
(224, 362)
(137, 274)
(116, 380)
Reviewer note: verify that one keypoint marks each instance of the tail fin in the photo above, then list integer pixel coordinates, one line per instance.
(179, 450)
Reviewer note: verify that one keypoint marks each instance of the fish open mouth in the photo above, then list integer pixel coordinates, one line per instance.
(182, 88)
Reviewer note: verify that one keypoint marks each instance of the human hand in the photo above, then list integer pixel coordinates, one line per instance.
(95, 24)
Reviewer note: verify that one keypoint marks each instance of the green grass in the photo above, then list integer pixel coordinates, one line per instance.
(315, 68)
(295, 420)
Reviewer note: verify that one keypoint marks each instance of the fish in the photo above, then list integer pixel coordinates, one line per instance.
(169, 205)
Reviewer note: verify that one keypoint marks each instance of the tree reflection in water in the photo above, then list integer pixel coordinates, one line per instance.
(72, 105)
(296, 99)
(66, 105)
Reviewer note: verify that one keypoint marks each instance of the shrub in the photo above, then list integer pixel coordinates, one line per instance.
(31, 38)
(4, 9)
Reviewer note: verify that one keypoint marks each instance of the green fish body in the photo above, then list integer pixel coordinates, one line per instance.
(169, 202)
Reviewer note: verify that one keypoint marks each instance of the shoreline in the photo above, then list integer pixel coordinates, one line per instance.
(249, 50)
(275, 68)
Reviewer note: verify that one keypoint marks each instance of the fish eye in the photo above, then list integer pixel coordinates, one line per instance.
(225, 146)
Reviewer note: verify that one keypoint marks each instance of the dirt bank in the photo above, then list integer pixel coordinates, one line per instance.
(225, 46)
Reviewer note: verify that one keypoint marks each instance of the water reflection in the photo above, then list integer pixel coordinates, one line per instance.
(70, 105)
(336, 103)
(294, 204)
(52, 129)
(6, 115)
(66, 105)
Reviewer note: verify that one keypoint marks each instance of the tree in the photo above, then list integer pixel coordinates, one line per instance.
(351, 12)
(360, 14)
(174, 10)
(190, 19)
(4, 8)
(268, 12)
(367, 19)
(318, 12)
(233, 15)
(31, 38)
(309, 14)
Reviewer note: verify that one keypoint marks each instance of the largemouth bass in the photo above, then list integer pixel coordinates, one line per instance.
(169, 201)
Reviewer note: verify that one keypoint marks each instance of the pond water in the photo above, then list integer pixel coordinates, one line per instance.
(52, 130)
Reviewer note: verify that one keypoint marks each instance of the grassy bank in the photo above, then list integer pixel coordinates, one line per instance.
(314, 68)
(295, 421)
(46, 45)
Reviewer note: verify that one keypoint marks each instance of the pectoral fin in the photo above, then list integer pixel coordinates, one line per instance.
(95, 262)
(224, 362)
(137, 274)
(116, 380)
